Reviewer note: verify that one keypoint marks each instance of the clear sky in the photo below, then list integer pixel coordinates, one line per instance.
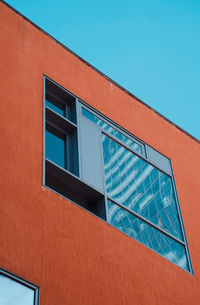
(150, 47)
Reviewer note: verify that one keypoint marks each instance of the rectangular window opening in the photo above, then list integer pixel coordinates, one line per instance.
(61, 151)
(97, 165)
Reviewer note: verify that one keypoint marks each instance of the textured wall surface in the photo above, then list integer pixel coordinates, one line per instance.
(72, 255)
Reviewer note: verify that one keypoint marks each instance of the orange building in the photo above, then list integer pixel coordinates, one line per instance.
(98, 190)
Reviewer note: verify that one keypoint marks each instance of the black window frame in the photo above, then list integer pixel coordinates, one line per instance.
(23, 282)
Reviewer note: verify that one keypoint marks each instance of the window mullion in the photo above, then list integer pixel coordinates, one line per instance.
(147, 221)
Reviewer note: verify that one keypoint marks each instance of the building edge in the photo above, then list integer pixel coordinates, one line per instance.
(101, 73)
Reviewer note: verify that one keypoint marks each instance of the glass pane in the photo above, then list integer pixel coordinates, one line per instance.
(140, 187)
(147, 235)
(13, 293)
(55, 148)
(57, 107)
(135, 146)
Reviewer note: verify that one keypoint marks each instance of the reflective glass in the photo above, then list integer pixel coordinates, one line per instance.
(140, 187)
(57, 107)
(135, 146)
(14, 293)
(55, 148)
(147, 235)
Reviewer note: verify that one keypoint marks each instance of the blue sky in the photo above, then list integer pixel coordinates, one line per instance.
(152, 48)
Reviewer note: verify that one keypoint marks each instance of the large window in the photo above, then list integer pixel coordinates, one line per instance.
(16, 291)
(106, 170)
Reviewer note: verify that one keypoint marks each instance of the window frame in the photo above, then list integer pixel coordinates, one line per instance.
(23, 282)
(184, 242)
(145, 155)
(115, 126)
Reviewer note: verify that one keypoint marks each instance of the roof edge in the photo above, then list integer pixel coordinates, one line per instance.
(99, 72)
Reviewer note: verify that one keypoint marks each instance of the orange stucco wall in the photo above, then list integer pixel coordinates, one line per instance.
(72, 255)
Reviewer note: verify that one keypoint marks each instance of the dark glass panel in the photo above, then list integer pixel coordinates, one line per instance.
(56, 106)
(55, 148)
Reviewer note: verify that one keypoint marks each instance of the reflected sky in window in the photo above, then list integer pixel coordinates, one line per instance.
(130, 143)
(140, 187)
(147, 235)
(13, 293)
